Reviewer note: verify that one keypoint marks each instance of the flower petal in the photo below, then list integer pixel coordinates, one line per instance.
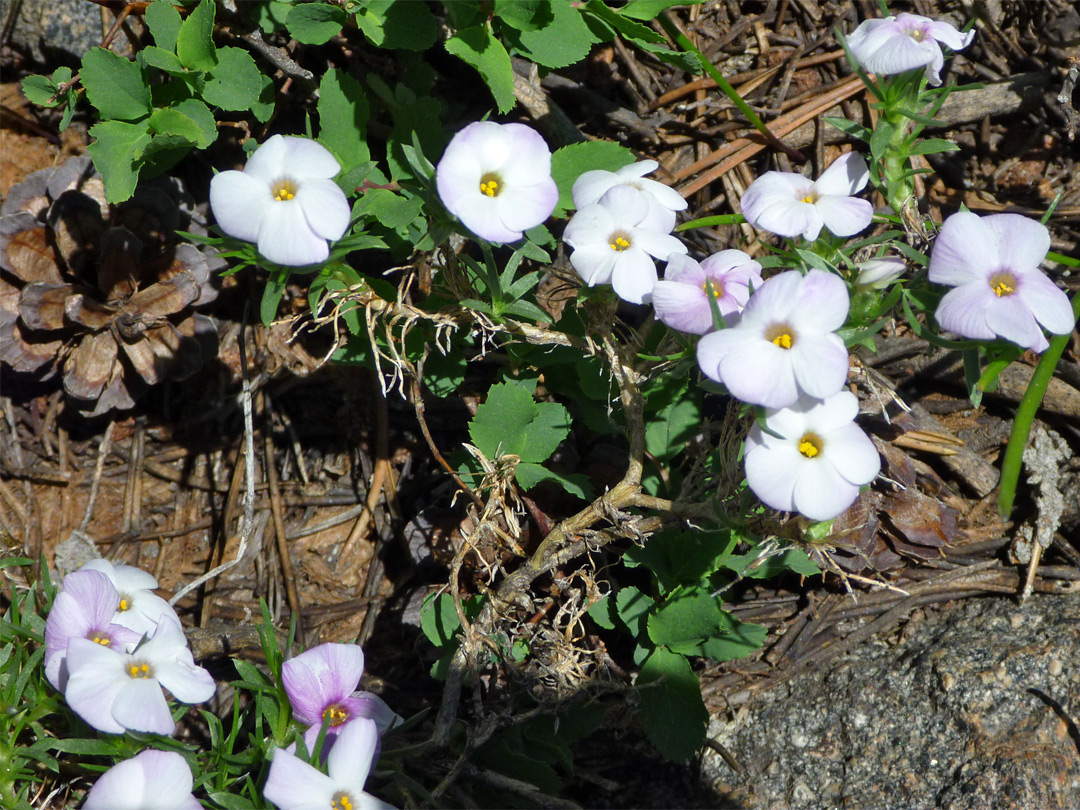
(633, 275)
(964, 251)
(141, 706)
(523, 207)
(821, 493)
(682, 306)
(772, 473)
(1049, 304)
(295, 785)
(963, 311)
(325, 207)
(529, 161)
(187, 682)
(594, 263)
(239, 200)
(852, 453)
(325, 674)
(286, 238)
(1010, 318)
(268, 162)
(1022, 243)
(819, 364)
(96, 679)
(349, 761)
(305, 159)
(822, 303)
(762, 376)
(122, 787)
(846, 175)
(844, 216)
(948, 36)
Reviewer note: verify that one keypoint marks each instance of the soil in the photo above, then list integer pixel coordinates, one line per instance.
(355, 518)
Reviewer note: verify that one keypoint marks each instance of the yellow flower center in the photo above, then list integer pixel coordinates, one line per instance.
(137, 670)
(1003, 284)
(123, 604)
(619, 242)
(811, 197)
(810, 445)
(491, 185)
(100, 638)
(284, 190)
(716, 286)
(917, 34)
(341, 801)
(335, 714)
(780, 334)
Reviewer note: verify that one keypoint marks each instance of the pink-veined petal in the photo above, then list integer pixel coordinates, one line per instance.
(325, 206)
(964, 251)
(325, 674)
(846, 175)
(869, 35)
(239, 202)
(96, 679)
(684, 270)
(963, 311)
(286, 238)
(844, 216)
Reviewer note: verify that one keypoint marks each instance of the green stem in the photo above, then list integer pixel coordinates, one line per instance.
(684, 42)
(1025, 415)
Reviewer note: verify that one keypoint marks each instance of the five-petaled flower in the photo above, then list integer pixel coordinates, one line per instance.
(295, 785)
(321, 686)
(614, 243)
(150, 780)
(85, 609)
(681, 299)
(819, 462)
(663, 200)
(496, 179)
(137, 606)
(784, 343)
(993, 263)
(115, 691)
(284, 201)
(905, 42)
(789, 204)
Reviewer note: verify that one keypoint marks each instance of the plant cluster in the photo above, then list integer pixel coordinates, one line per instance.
(726, 382)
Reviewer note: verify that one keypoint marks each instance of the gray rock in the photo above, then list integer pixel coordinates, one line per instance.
(975, 709)
(53, 32)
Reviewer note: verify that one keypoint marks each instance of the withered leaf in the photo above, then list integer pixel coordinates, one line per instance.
(31, 259)
(165, 297)
(88, 312)
(90, 366)
(42, 305)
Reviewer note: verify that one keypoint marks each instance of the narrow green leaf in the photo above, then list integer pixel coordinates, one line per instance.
(649, 9)
(115, 152)
(315, 23)
(275, 288)
(235, 81)
(164, 21)
(477, 47)
(343, 117)
(194, 42)
(115, 85)
(932, 146)
(848, 127)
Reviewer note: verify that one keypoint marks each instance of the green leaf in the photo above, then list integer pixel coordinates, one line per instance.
(848, 127)
(650, 9)
(735, 639)
(235, 82)
(155, 57)
(194, 42)
(686, 619)
(263, 108)
(570, 162)
(932, 146)
(666, 434)
(525, 15)
(203, 118)
(792, 559)
(672, 711)
(115, 152)
(632, 608)
(477, 47)
(601, 613)
(343, 117)
(40, 90)
(528, 475)
(564, 41)
(403, 24)
(439, 619)
(164, 21)
(315, 23)
(115, 85)
(389, 209)
(511, 422)
(678, 557)
(881, 139)
(275, 288)
(169, 121)
(628, 28)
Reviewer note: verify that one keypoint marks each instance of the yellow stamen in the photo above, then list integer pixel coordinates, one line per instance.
(123, 604)
(810, 445)
(336, 714)
(1003, 284)
(917, 34)
(140, 671)
(99, 638)
(809, 198)
(717, 288)
(620, 243)
(341, 801)
(491, 185)
(284, 190)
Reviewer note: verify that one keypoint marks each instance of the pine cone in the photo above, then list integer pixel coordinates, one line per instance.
(104, 296)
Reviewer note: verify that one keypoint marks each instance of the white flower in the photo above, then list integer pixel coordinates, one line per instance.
(789, 204)
(496, 178)
(150, 780)
(905, 42)
(137, 606)
(663, 200)
(820, 462)
(614, 244)
(877, 274)
(295, 785)
(284, 200)
(115, 691)
(784, 343)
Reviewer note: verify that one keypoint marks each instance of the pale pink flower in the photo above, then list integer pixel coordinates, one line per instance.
(137, 606)
(150, 780)
(681, 300)
(905, 42)
(993, 263)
